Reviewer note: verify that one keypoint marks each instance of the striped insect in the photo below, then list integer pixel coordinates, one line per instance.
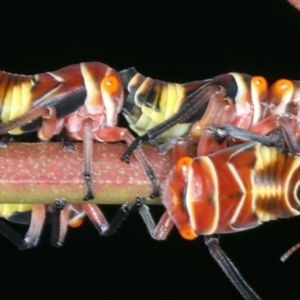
(233, 98)
(231, 190)
(244, 105)
(149, 102)
(83, 99)
(279, 123)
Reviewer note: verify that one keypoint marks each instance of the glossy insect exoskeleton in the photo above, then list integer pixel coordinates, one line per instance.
(282, 112)
(149, 102)
(279, 121)
(83, 99)
(233, 98)
(244, 109)
(231, 190)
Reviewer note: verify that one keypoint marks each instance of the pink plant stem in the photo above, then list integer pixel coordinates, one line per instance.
(42, 172)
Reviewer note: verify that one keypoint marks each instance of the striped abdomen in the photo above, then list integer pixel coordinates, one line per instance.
(232, 190)
(15, 97)
(93, 87)
(17, 213)
(150, 102)
(19, 93)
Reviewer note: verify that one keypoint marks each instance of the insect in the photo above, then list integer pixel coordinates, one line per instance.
(245, 107)
(280, 118)
(233, 98)
(234, 189)
(149, 102)
(83, 99)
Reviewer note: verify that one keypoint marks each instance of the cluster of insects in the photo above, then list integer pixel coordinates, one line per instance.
(235, 144)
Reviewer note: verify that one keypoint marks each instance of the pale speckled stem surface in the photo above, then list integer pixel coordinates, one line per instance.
(41, 172)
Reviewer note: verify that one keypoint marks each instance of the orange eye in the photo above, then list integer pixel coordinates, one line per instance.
(187, 233)
(111, 84)
(183, 163)
(260, 83)
(281, 86)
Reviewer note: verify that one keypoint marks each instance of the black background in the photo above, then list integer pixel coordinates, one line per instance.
(170, 42)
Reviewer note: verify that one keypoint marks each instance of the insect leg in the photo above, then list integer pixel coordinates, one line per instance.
(274, 138)
(38, 216)
(229, 269)
(164, 226)
(13, 236)
(63, 137)
(220, 111)
(23, 119)
(193, 108)
(289, 136)
(59, 223)
(222, 132)
(98, 219)
(87, 156)
(115, 134)
(122, 214)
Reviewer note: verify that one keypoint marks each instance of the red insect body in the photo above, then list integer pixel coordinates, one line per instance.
(232, 190)
(84, 99)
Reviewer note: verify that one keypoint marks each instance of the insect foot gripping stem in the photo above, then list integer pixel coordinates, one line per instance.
(58, 233)
(89, 191)
(124, 211)
(139, 141)
(82, 99)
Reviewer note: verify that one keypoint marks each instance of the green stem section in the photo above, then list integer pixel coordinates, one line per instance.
(41, 172)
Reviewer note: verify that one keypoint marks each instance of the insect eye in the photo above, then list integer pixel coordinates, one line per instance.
(282, 86)
(183, 164)
(260, 83)
(187, 233)
(111, 84)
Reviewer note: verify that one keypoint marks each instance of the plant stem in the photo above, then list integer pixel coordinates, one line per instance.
(41, 172)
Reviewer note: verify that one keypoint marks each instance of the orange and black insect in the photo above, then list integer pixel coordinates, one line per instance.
(150, 102)
(279, 122)
(162, 111)
(231, 190)
(245, 109)
(83, 99)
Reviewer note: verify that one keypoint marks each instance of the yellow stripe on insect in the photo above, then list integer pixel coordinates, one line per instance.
(26, 95)
(16, 101)
(6, 210)
(7, 100)
(171, 100)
